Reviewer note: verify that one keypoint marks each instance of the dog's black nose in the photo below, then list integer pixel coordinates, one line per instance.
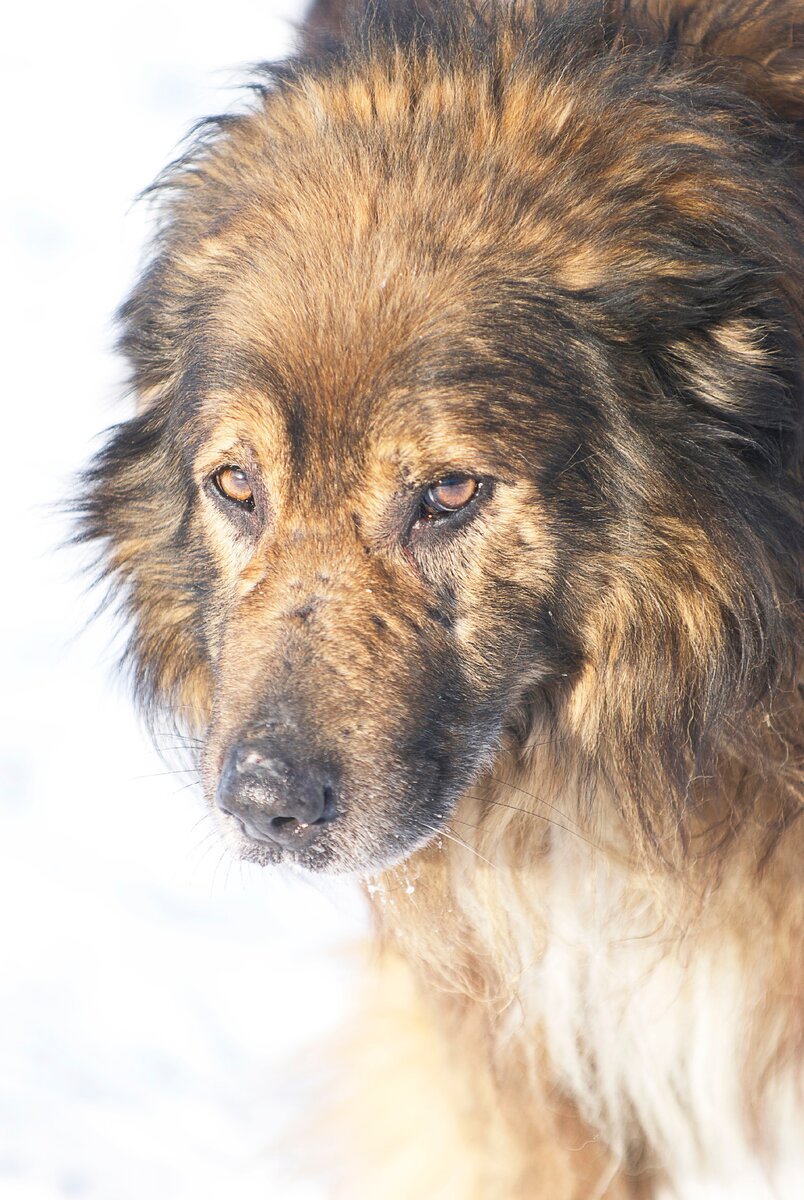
(276, 796)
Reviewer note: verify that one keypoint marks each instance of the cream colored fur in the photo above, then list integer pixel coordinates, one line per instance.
(554, 971)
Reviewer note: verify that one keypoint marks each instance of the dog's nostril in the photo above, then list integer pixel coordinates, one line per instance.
(280, 825)
(286, 824)
(329, 813)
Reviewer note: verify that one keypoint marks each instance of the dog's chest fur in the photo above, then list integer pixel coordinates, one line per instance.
(659, 1005)
(652, 1027)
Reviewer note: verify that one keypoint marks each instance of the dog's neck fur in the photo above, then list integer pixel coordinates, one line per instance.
(666, 1000)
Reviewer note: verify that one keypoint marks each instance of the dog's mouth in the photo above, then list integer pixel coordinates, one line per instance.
(280, 807)
(311, 852)
(338, 846)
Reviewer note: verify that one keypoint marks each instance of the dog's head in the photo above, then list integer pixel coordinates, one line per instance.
(466, 399)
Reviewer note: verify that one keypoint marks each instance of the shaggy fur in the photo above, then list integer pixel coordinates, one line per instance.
(555, 247)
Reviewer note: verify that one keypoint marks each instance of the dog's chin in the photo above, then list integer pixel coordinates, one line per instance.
(329, 856)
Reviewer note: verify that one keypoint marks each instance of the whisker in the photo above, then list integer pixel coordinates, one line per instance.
(214, 880)
(165, 749)
(538, 799)
(540, 817)
(468, 824)
(444, 831)
(184, 787)
(175, 771)
(210, 838)
(202, 850)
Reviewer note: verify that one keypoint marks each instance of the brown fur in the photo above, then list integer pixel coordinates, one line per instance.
(557, 248)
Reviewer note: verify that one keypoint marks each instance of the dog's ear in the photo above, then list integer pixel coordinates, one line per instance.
(757, 45)
(732, 354)
(711, 627)
(135, 506)
(709, 287)
(147, 339)
(326, 22)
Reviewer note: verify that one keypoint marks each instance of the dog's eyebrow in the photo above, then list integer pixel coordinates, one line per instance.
(215, 365)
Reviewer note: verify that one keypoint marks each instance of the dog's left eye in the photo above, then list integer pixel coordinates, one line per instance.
(448, 495)
(232, 483)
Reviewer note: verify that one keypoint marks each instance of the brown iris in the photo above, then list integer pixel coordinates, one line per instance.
(232, 483)
(448, 495)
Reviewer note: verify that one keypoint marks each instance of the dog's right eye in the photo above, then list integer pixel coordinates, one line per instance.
(232, 483)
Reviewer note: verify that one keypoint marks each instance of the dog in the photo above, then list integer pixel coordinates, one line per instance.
(460, 519)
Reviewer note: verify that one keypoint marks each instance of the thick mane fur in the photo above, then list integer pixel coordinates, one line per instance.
(612, 916)
(693, 278)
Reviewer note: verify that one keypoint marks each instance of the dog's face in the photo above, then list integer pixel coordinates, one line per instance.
(437, 433)
(382, 565)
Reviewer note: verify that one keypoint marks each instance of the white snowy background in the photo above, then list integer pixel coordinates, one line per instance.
(150, 993)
